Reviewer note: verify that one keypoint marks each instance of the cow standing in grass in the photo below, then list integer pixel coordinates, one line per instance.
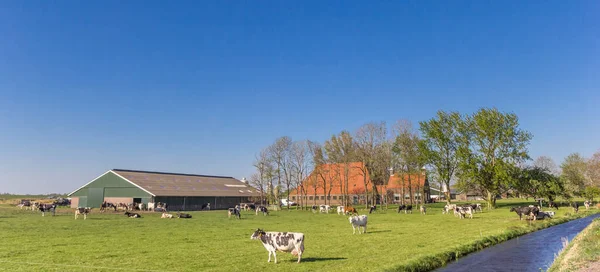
(48, 208)
(280, 241)
(235, 212)
(527, 211)
(357, 222)
(423, 209)
(84, 211)
(263, 210)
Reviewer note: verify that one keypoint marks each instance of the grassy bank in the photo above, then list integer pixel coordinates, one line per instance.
(581, 252)
(212, 242)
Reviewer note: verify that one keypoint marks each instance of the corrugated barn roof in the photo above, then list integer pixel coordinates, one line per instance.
(175, 184)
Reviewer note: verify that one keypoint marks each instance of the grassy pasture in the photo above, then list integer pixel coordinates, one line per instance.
(212, 242)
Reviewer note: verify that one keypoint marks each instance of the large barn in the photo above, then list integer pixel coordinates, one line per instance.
(183, 192)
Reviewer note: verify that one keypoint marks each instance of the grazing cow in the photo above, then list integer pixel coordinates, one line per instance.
(527, 211)
(249, 207)
(405, 208)
(372, 209)
(464, 211)
(423, 209)
(314, 208)
(141, 206)
(166, 215)
(340, 210)
(350, 210)
(235, 212)
(105, 205)
(263, 210)
(151, 206)
(475, 207)
(324, 208)
(48, 208)
(448, 208)
(587, 204)
(205, 206)
(575, 206)
(280, 241)
(35, 206)
(357, 222)
(184, 215)
(552, 205)
(84, 211)
(132, 215)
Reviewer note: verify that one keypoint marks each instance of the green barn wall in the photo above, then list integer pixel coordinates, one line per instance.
(109, 185)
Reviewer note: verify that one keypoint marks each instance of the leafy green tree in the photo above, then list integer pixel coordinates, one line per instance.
(574, 174)
(591, 192)
(408, 155)
(538, 182)
(440, 144)
(491, 146)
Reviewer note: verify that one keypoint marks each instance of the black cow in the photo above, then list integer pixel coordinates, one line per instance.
(314, 208)
(372, 209)
(262, 209)
(132, 215)
(184, 215)
(527, 211)
(205, 206)
(552, 205)
(575, 206)
(48, 208)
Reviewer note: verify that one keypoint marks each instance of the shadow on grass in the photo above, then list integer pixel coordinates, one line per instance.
(378, 231)
(312, 259)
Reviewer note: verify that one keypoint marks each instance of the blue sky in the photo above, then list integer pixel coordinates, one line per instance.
(202, 86)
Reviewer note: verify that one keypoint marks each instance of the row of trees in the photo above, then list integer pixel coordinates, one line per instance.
(484, 152)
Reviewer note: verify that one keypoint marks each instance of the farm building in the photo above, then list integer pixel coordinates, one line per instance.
(328, 183)
(180, 191)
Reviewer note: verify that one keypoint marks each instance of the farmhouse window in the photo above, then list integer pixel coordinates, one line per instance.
(322, 197)
(328, 197)
(334, 197)
(310, 198)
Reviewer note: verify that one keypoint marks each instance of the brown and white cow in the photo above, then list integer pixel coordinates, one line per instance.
(84, 211)
(350, 210)
(166, 215)
(280, 241)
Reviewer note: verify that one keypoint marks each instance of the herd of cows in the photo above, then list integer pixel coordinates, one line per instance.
(293, 242)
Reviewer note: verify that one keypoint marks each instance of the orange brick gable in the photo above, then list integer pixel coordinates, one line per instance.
(334, 175)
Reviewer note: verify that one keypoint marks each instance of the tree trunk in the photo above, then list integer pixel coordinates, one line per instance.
(491, 200)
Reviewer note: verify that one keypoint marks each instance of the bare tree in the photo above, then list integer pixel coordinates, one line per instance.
(279, 155)
(300, 162)
(593, 169)
(546, 163)
(263, 178)
(408, 154)
(370, 142)
(340, 149)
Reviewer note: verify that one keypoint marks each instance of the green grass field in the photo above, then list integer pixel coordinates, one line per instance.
(212, 242)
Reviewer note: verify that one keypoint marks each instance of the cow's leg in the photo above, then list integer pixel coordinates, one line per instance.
(84, 216)
(269, 260)
(275, 255)
(299, 250)
(365, 229)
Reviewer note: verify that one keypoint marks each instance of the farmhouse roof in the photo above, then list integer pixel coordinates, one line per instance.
(178, 184)
(334, 177)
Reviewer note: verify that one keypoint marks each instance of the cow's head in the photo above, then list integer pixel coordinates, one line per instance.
(257, 234)
(513, 209)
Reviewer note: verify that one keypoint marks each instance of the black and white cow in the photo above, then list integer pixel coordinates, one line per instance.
(106, 205)
(84, 211)
(262, 209)
(132, 215)
(235, 212)
(48, 208)
(464, 211)
(527, 211)
(280, 241)
(249, 207)
(448, 208)
(405, 208)
(205, 206)
(372, 209)
(184, 215)
(552, 205)
(587, 204)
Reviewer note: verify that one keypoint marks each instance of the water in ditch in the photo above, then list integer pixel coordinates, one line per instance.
(531, 252)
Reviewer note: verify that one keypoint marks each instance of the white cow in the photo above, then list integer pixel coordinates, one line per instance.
(340, 210)
(150, 206)
(324, 208)
(357, 222)
(423, 209)
(283, 241)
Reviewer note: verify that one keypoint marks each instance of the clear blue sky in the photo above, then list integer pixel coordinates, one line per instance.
(202, 86)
